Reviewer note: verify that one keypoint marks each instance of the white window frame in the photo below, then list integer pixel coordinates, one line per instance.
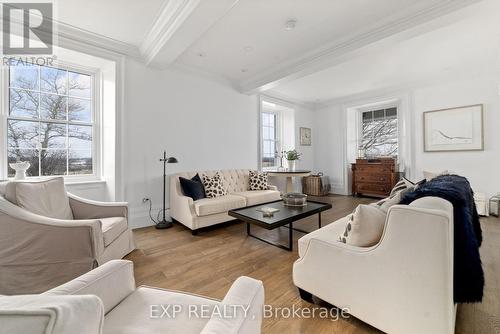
(359, 121)
(285, 126)
(96, 122)
(278, 136)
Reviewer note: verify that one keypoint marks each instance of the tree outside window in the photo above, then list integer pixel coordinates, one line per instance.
(50, 121)
(379, 133)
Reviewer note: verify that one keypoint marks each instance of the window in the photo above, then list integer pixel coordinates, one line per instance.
(270, 141)
(379, 132)
(50, 121)
(277, 123)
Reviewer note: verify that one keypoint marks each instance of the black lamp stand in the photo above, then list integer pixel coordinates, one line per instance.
(163, 224)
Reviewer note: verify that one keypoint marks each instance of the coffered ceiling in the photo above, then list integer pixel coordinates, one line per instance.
(255, 45)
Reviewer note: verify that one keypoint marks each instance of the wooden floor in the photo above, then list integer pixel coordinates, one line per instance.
(207, 264)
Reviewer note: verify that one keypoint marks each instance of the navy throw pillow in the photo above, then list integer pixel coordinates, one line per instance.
(193, 188)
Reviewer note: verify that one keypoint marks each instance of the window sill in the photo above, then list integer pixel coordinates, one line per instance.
(67, 181)
(83, 182)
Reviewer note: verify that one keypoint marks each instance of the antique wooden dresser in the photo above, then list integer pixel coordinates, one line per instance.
(374, 177)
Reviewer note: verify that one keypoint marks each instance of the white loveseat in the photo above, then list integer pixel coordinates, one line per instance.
(210, 211)
(404, 284)
(105, 300)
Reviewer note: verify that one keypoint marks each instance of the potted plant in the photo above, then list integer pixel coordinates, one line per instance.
(292, 156)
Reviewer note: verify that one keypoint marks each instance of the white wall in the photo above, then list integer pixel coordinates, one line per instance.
(204, 124)
(479, 167)
(304, 118)
(329, 145)
(92, 190)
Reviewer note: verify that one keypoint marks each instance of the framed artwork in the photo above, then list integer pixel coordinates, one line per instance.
(305, 136)
(454, 129)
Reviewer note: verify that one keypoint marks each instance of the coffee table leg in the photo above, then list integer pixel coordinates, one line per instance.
(289, 184)
(319, 219)
(288, 247)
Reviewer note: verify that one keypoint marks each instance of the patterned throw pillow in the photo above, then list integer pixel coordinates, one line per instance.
(394, 199)
(213, 186)
(403, 184)
(257, 181)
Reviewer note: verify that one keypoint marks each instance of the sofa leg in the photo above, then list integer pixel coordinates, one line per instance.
(307, 296)
(194, 232)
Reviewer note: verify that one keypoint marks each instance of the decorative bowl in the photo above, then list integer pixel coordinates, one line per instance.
(295, 199)
(20, 168)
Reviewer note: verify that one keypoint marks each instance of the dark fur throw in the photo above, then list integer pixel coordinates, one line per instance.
(468, 271)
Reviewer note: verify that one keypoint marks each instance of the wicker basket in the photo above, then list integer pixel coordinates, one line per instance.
(312, 185)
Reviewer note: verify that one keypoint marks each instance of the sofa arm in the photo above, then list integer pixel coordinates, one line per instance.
(51, 314)
(181, 207)
(39, 253)
(112, 282)
(92, 228)
(248, 293)
(88, 209)
(271, 187)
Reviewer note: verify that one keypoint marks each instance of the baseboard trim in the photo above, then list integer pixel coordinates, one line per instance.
(338, 189)
(139, 217)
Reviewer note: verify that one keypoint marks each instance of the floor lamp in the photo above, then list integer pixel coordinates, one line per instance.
(164, 223)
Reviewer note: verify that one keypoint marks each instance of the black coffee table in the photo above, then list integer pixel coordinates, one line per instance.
(286, 216)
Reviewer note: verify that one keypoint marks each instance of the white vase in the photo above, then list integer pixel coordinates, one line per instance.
(291, 164)
(20, 168)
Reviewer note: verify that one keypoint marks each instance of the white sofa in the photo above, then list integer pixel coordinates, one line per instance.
(39, 252)
(404, 284)
(210, 211)
(105, 300)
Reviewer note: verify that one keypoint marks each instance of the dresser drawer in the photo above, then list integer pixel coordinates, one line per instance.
(373, 169)
(373, 178)
(372, 188)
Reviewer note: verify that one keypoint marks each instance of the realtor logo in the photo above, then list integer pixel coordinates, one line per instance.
(27, 28)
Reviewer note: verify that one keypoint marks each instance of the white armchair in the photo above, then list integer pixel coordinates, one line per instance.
(39, 252)
(404, 284)
(106, 300)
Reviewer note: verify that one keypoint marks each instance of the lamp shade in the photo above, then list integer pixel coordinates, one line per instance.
(172, 160)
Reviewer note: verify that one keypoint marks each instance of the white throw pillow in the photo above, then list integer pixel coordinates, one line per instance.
(45, 198)
(364, 227)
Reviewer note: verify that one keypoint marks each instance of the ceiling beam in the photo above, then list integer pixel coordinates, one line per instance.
(341, 51)
(179, 24)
